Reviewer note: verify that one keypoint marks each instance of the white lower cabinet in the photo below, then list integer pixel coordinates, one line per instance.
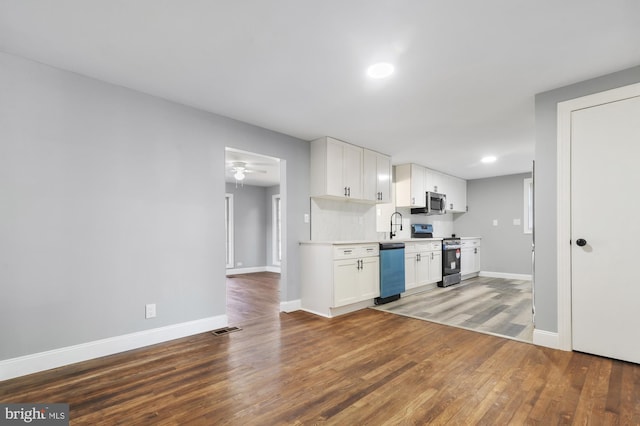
(422, 263)
(355, 280)
(339, 278)
(470, 258)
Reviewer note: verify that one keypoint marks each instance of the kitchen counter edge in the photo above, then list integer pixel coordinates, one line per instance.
(399, 240)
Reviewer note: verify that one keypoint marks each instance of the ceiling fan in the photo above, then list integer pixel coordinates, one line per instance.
(240, 168)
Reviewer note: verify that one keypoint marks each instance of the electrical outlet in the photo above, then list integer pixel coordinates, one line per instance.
(150, 310)
(495, 222)
(238, 263)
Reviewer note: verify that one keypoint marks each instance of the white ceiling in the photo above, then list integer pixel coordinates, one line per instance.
(466, 70)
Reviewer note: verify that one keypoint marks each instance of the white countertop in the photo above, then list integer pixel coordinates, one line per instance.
(399, 240)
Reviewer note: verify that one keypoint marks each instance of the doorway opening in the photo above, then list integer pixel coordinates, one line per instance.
(255, 224)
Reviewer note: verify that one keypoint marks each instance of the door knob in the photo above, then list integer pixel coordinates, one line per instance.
(581, 242)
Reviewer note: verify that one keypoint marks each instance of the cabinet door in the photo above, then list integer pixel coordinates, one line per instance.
(369, 278)
(467, 260)
(476, 259)
(369, 175)
(422, 267)
(435, 267)
(418, 190)
(383, 178)
(435, 181)
(457, 195)
(334, 165)
(410, 271)
(352, 170)
(345, 282)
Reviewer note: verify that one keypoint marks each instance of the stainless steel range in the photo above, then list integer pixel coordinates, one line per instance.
(451, 255)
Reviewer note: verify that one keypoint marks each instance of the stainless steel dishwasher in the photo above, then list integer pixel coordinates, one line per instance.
(391, 272)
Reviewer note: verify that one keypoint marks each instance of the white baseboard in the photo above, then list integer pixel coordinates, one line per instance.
(548, 339)
(251, 270)
(291, 305)
(41, 361)
(505, 275)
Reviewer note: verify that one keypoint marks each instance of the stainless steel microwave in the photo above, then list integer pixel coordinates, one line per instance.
(435, 204)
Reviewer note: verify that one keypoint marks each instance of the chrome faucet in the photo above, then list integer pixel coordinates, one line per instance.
(392, 233)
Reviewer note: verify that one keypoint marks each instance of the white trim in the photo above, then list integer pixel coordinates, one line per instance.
(249, 270)
(548, 339)
(41, 361)
(290, 305)
(276, 237)
(563, 200)
(527, 205)
(505, 275)
(231, 230)
(252, 269)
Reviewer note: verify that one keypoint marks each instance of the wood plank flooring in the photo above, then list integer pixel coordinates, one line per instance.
(489, 305)
(251, 296)
(368, 367)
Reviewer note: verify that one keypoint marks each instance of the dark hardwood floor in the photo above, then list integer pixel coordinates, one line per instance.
(368, 367)
(251, 296)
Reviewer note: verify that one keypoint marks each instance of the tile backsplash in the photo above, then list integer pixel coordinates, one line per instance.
(338, 220)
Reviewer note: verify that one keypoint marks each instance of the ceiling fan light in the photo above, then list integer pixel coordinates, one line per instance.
(239, 175)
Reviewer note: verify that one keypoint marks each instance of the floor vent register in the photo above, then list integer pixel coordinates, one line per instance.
(225, 330)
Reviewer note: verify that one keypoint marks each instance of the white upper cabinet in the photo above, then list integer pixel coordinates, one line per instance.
(342, 170)
(376, 177)
(410, 185)
(436, 182)
(457, 195)
(413, 181)
(336, 169)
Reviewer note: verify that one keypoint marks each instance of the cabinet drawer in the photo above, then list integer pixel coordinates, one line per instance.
(348, 252)
(470, 243)
(431, 246)
(418, 247)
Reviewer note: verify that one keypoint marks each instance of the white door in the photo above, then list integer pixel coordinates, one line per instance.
(605, 182)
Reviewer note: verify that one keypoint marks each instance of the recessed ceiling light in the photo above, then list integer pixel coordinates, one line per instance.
(380, 70)
(489, 159)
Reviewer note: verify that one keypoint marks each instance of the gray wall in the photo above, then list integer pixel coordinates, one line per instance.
(252, 216)
(249, 222)
(112, 199)
(546, 285)
(505, 248)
